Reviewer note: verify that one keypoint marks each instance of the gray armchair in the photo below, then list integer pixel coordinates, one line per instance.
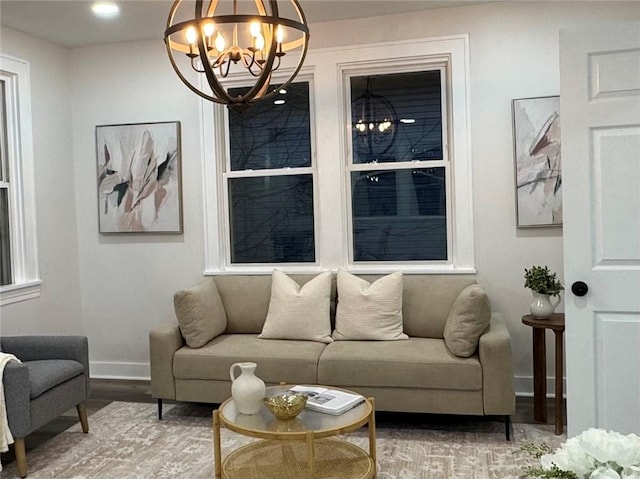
(52, 378)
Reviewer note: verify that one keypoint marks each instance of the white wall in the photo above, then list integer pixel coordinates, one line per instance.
(58, 309)
(128, 280)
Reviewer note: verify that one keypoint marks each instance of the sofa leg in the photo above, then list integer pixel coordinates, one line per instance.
(82, 414)
(21, 456)
(507, 427)
(160, 409)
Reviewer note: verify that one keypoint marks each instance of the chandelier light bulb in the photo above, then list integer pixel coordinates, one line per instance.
(220, 43)
(254, 28)
(209, 28)
(279, 34)
(191, 35)
(259, 42)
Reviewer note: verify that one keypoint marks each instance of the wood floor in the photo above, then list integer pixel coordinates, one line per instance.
(105, 391)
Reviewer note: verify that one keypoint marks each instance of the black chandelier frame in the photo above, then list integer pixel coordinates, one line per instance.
(260, 68)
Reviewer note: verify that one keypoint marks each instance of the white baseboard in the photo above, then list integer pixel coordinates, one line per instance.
(524, 386)
(113, 370)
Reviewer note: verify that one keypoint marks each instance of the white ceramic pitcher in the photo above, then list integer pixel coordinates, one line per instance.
(542, 306)
(247, 390)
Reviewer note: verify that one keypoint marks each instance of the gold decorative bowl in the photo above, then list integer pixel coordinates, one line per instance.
(286, 406)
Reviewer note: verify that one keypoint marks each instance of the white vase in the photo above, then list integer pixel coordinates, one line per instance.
(541, 306)
(247, 390)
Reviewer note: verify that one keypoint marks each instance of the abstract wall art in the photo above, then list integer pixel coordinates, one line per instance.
(139, 178)
(538, 169)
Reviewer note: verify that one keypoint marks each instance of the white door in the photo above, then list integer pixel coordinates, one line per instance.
(600, 111)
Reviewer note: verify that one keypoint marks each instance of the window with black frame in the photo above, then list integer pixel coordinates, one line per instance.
(398, 168)
(269, 180)
(6, 276)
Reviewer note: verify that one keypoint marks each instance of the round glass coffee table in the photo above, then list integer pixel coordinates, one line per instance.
(305, 446)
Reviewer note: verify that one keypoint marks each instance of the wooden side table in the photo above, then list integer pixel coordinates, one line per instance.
(539, 327)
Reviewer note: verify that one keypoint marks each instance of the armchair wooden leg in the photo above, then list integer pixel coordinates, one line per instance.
(21, 456)
(82, 413)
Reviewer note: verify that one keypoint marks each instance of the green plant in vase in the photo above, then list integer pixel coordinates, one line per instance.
(543, 284)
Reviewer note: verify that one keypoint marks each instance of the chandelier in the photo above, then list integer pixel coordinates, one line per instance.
(375, 123)
(232, 38)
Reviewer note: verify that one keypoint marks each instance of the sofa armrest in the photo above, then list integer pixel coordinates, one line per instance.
(164, 341)
(15, 380)
(34, 348)
(497, 370)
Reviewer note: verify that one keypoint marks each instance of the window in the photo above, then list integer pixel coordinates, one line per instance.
(269, 180)
(398, 167)
(6, 277)
(370, 171)
(18, 253)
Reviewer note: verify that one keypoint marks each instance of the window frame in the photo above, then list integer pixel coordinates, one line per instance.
(222, 160)
(20, 164)
(326, 67)
(351, 166)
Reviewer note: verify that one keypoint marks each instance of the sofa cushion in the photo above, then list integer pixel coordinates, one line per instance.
(277, 360)
(200, 313)
(468, 318)
(246, 300)
(427, 300)
(369, 311)
(415, 363)
(299, 312)
(47, 374)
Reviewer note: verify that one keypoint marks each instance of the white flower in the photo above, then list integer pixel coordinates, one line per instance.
(570, 457)
(611, 447)
(632, 472)
(597, 454)
(604, 473)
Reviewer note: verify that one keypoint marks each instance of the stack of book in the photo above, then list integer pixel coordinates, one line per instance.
(329, 401)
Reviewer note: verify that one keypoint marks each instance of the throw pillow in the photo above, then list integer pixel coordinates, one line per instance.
(200, 313)
(369, 311)
(299, 312)
(468, 318)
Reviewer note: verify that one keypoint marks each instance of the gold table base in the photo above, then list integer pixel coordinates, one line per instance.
(312, 449)
(334, 459)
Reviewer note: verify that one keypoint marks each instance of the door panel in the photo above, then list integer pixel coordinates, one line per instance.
(600, 123)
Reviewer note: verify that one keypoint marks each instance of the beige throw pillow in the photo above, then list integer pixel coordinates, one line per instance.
(299, 312)
(369, 311)
(468, 318)
(200, 313)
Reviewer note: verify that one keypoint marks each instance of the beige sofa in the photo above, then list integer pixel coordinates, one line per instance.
(415, 375)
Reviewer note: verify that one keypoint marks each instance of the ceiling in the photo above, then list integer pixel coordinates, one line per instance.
(70, 22)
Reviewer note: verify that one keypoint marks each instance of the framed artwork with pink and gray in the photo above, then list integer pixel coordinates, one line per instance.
(538, 168)
(139, 178)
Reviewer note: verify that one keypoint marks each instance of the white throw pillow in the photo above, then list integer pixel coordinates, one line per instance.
(369, 311)
(299, 312)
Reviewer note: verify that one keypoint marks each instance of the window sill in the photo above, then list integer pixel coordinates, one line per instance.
(354, 269)
(14, 293)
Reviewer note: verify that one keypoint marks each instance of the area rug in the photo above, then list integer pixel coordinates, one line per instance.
(127, 441)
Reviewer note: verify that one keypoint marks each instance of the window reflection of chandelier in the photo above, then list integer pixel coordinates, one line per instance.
(374, 125)
(227, 37)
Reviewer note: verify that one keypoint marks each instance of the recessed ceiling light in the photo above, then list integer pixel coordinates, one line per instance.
(279, 102)
(105, 9)
(407, 121)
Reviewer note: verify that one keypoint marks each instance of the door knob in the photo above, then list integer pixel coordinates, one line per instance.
(579, 288)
